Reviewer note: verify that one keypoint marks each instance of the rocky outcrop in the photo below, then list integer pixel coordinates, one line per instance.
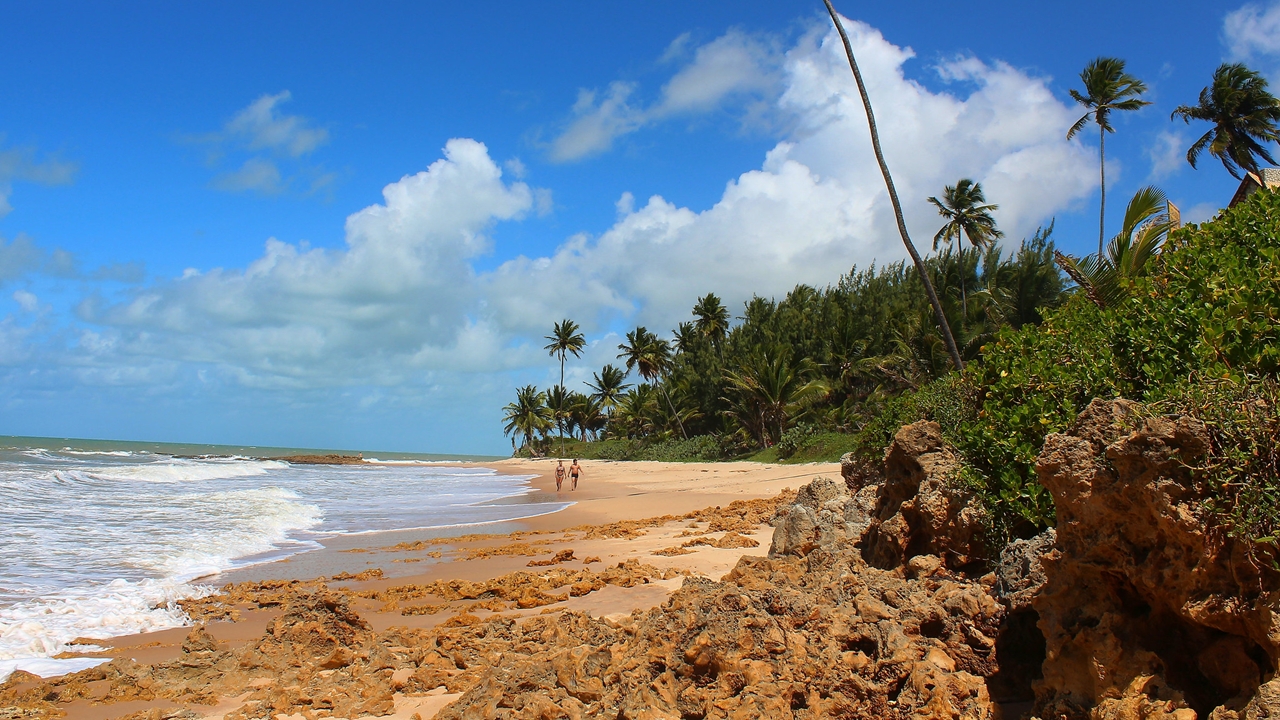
(824, 515)
(820, 636)
(921, 510)
(1020, 574)
(1145, 612)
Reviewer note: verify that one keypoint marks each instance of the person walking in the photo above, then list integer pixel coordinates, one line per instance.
(574, 471)
(560, 475)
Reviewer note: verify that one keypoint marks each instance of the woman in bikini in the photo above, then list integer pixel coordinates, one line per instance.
(560, 475)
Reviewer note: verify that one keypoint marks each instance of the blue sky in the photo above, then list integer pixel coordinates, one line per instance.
(316, 224)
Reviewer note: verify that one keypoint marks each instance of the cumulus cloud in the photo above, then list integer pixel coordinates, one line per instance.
(402, 302)
(21, 164)
(1168, 154)
(402, 283)
(733, 65)
(1253, 30)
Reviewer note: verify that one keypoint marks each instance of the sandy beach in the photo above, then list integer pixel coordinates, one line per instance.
(634, 532)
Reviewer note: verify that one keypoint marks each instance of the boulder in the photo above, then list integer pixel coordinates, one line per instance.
(824, 515)
(920, 509)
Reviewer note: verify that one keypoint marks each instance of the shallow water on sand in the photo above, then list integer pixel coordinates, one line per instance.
(101, 539)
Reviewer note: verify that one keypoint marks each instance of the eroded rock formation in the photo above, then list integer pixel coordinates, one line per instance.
(1145, 613)
(920, 509)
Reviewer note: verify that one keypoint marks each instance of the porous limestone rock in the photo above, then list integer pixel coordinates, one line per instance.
(824, 515)
(921, 510)
(1146, 613)
(1020, 574)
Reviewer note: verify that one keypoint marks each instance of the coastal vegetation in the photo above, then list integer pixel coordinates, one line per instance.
(1185, 320)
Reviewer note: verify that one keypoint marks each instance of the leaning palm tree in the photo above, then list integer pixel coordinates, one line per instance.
(608, 385)
(938, 313)
(962, 205)
(528, 415)
(565, 338)
(712, 320)
(1107, 87)
(1244, 114)
(651, 356)
(1106, 280)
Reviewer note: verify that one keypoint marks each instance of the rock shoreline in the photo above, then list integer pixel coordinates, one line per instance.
(878, 599)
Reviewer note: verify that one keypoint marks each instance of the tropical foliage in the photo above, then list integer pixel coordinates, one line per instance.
(1244, 114)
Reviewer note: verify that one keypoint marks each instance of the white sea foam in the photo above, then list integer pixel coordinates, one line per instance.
(105, 543)
(176, 471)
(46, 626)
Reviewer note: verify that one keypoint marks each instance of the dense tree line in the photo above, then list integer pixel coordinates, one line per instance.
(831, 358)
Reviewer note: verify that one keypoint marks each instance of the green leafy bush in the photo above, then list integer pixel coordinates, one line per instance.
(1200, 334)
(700, 448)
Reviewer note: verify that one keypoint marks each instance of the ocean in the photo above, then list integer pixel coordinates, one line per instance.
(101, 538)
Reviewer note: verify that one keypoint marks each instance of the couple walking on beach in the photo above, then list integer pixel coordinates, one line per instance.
(574, 471)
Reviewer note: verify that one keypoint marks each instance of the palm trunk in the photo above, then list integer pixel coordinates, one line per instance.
(1102, 173)
(943, 326)
(559, 425)
(964, 270)
(674, 414)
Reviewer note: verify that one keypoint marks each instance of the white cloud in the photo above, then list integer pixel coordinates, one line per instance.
(26, 300)
(21, 164)
(733, 65)
(595, 124)
(256, 175)
(402, 304)
(261, 126)
(1168, 154)
(1252, 30)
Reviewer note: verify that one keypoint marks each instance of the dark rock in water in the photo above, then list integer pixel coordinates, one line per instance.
(322, 459)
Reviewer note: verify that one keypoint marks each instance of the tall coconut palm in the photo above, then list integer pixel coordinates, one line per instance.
(565, 338)
(608, 385)
(651, 356)
(962, 205)
(528, 415)
(1107, 87)
(712, 320)
(686, 337)
(1244, 114)
(939, 315)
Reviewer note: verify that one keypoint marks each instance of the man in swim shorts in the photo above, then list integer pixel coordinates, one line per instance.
(560, 475)
(574, 471)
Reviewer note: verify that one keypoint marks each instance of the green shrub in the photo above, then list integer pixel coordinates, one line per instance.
(1199, 335)
(699, 448)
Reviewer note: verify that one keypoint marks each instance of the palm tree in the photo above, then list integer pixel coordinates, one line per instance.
(712, 320)
(1244, 116)
(608, 385)
(651, 356)
(1107, 87)
(528, 415)
(559, 403)
(565, 338)
(768, 391)
(686, 337)
(966, 215)
(1107, 279)
(938, 313)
